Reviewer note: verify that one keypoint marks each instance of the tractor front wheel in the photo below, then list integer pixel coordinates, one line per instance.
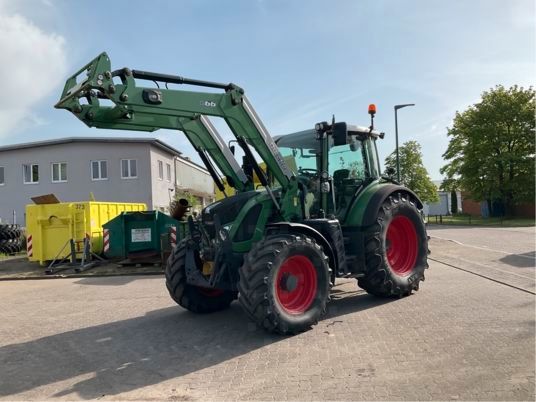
(194, 298)
(396, 249)
(284, 283)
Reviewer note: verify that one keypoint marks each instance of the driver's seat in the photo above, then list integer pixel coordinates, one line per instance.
(339, 176)
(338, 179)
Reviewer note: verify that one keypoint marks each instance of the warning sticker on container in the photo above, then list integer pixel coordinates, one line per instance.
(141, 235)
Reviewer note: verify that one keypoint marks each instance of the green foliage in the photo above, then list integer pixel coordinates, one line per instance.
(449, 184)
(453, 202)
(491, 149)
(413, 174)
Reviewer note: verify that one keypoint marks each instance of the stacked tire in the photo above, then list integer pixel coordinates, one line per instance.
(11, 239)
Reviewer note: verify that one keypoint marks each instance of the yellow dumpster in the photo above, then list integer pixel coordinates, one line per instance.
(49, 227)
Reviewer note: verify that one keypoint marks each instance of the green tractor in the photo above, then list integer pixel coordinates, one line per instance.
(323, 210)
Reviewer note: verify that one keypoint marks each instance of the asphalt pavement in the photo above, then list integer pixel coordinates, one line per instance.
(506, 240)
(506, 255)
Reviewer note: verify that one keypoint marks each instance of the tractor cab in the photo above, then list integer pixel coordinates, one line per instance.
(345, 163)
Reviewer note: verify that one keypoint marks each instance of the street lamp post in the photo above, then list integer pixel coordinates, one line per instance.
(396, 136)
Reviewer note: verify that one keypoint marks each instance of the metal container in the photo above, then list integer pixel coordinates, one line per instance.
(49, 227)
(137, 235)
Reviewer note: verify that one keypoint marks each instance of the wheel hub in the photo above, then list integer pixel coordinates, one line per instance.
(296, 284)
(289, 282)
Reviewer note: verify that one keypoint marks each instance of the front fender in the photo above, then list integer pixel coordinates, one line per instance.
(299, 228)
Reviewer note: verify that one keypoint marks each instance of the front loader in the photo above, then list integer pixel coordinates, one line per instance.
(323, 209)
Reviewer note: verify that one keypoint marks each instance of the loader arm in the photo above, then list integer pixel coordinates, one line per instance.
(149, 109)
(206, 140)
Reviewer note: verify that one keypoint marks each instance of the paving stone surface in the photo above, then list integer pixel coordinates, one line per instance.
(502, 254)
(506, 240)
(461, 337)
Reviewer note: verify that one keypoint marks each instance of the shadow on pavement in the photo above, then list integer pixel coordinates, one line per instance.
(126, 355)
(525, 260)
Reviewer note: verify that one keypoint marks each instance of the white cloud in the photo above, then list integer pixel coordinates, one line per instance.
(33, 64)
(522, 13)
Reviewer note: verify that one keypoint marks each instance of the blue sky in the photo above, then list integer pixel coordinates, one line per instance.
(299, 61)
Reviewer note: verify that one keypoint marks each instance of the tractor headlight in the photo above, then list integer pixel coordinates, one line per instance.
(224, 234)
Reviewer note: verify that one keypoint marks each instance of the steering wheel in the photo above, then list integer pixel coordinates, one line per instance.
(306, 177)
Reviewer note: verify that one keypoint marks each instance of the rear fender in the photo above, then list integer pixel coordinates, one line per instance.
(365, 207)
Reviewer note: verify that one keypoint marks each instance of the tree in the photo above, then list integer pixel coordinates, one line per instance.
(413, 174)
(453, 202)
(491, 149)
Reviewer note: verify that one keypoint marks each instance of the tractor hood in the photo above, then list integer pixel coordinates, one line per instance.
(227, 210)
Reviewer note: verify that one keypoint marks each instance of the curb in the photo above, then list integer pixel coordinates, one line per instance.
(28, 278)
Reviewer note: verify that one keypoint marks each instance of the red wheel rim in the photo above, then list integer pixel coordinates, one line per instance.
(296, 284)
(209, 292)
(401, 245)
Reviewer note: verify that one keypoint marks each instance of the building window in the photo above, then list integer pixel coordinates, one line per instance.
(59, 172)
(30, 173)
(2, 178)
(161, 170)
(99, 170)
(168, 172)
(129, 169)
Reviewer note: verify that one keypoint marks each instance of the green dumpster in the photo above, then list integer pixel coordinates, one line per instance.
(141, 234)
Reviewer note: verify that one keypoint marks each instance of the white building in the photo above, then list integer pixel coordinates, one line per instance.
(195, 180)
(111, 169)
(444, 205)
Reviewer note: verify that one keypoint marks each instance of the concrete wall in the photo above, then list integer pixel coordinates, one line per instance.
(470, 206)
(161, 187)
(14, 194)
(442, 207)
(525, 210)
(480, 208)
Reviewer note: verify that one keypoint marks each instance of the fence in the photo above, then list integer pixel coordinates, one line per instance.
(477, 220)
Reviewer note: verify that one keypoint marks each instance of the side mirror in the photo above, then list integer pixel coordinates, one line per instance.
(232, 148)
(339, 132)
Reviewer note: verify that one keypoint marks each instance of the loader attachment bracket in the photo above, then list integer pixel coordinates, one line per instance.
(82, 92)
(98, 75)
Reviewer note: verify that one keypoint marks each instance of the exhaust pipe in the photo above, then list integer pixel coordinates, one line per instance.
(179, 208)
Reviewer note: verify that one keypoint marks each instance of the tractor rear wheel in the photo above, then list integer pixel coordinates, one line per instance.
(194, 298)
(396, 249)
(284, 283)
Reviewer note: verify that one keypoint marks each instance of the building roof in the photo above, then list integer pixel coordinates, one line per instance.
(153, 141)
(186, 160)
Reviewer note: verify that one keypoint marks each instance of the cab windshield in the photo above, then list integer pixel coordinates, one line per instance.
(349, 166)
(301, 152)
